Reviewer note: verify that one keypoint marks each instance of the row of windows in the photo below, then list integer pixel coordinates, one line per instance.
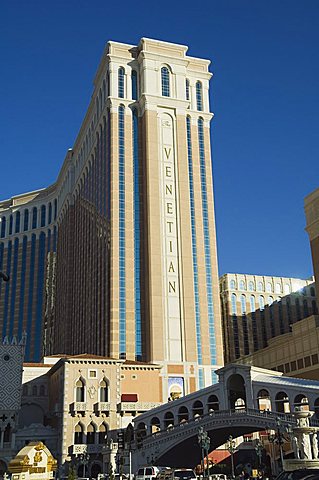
(269, 287)
(92, 435)
(80, 390)
(38, 217)
(165, 86)
(33, 390)
(122, 293)
(261, 300)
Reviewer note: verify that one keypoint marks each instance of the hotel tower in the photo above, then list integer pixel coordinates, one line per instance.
(133, 271)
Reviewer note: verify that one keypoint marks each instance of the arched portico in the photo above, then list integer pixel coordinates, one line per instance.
(236, 391)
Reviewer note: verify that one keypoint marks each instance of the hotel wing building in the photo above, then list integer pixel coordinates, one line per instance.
(135, 272)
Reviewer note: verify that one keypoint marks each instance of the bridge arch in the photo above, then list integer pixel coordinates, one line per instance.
(197, 409)
(282, 402)
(301, 402)
(168, 419)
(155, 425)
(236, 391)
(183, 414)
(263, 399)
(212, 403)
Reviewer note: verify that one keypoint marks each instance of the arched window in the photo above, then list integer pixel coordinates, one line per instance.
(212, 403)
(183, 414)
(312, 292)
(50, 213)
(104, 391)
(90, 434)
(198, 409)
(78, 434)
(155, 424)
(121, 73)
(3, 227)
(26, 220)
(243, 304)
(43, 213)
(314, 307)
(252, 303)
(278, 288)
(260, 286)
(17, 227)
(234, 304)
(268, 287)
(199, 96)
(232, 284)
(34, 391)
(261, 302)
(264, 400)
(270, 300)
(242, 285)
(42, 390)
(301, 402)
(103, 429)
(187, 89)
(305, 309)
(34, 217)
(7, 434)
(286, 289)
(168, 420)
(80, 391)
(165, 82)
(251, 286)
(10, 224)
(298, 311)
(134, 85)
(282, 402)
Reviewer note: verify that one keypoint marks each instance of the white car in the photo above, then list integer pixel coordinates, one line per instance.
(147, 473)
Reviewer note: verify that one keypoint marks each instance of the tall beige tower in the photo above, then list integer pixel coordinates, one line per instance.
(135, 270)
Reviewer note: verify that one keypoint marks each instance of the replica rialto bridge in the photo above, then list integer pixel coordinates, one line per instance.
(246, 399)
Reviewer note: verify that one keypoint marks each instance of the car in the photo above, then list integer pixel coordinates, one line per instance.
(184, 474)
(147, 473)
(301, 474)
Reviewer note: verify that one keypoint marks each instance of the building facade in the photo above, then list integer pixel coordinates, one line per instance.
(256, 309)
(133, 272)
(28, 235)
(312, 228)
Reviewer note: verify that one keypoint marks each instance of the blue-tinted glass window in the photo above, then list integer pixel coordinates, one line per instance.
(194, 242)
(34, 217)
(243, 304)
(134, 85)
(199, 96)
(10, 224)
(252, 304)
(26, 220)
(234, 304)
(165, 82)
(187, 89)
(3, 227)
(17, 227)
(232, 284)
(50, 213)
(43, 214)
(121, 75)
(137, 240)
(261, 302)
(122, 286)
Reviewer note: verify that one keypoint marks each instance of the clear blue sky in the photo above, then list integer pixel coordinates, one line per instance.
(264, 93)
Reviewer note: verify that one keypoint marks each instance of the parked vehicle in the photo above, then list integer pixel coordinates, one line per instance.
(302, 474)
(147, 473)
(177, 474)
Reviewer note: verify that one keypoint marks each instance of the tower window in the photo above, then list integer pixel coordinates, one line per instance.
(187, 89)
(165, 82)
(121, 74)
(134, 85)
(199, 96)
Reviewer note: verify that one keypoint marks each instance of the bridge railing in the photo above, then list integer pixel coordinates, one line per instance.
(270, 418)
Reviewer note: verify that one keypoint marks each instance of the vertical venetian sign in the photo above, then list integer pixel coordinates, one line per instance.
(169, 207)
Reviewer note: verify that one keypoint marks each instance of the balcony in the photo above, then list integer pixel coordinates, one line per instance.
(78, 407)
(80, 448)
(103, 407)
(137, 406)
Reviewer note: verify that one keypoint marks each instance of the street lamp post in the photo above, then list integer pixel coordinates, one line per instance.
(231, 447)
(204, 442)
(84, 459)
(259, 451)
